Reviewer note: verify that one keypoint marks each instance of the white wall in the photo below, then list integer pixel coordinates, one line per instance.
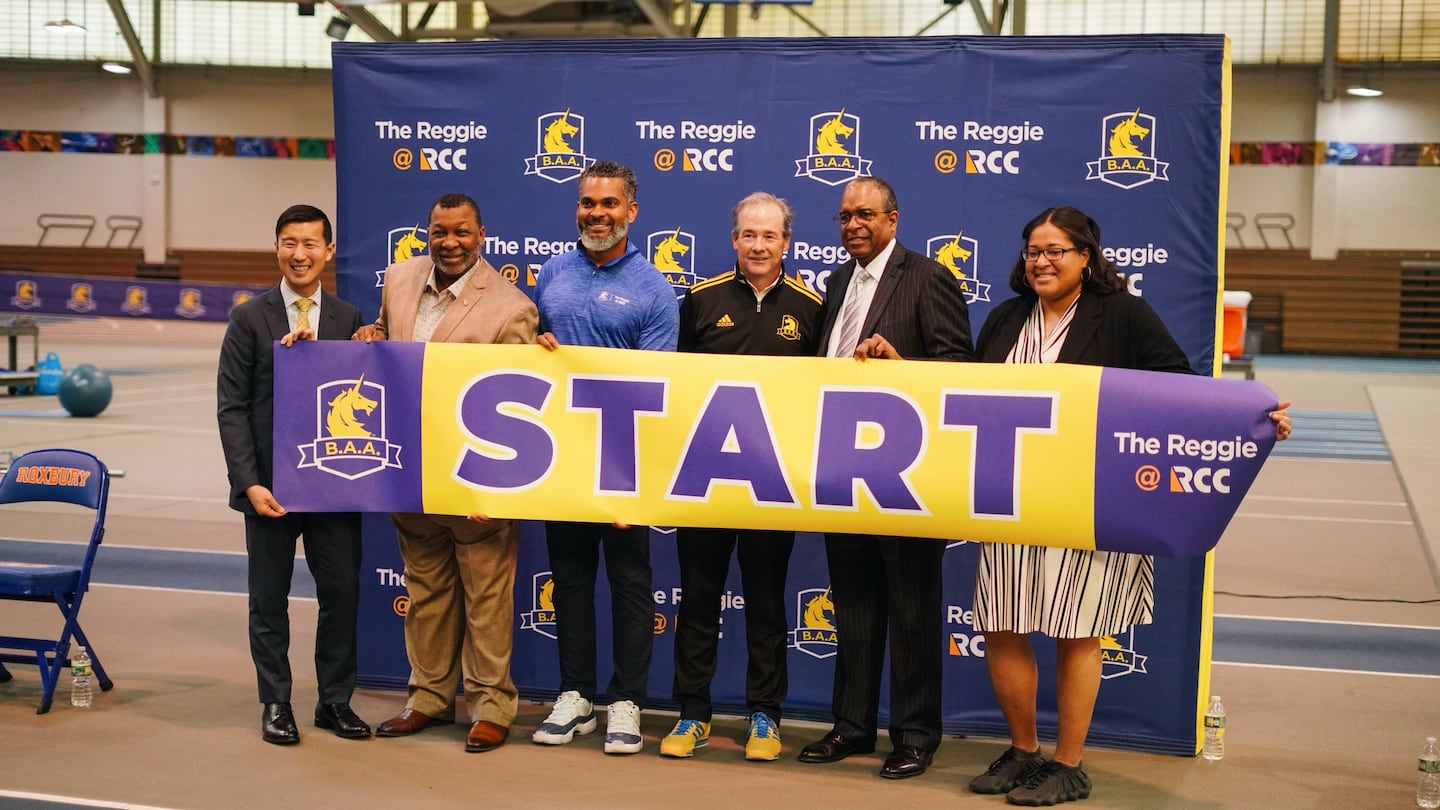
(225, 203)
(1358, 207)
(230, 203)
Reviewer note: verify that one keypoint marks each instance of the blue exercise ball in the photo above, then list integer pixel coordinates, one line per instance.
(84, 390)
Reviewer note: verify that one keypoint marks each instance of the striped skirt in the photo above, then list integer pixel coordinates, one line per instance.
(1061, 592)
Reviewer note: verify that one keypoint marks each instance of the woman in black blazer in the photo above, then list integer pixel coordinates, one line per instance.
(1072, 307)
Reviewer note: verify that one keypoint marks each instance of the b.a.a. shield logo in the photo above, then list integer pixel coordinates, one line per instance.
(540, 618)
(814, 632)
(560, 147)
(350, 430)
(136, 301)
(960, 254)
(403, 244)
(673, 253)
(26, 295)
(1127, 151)
(191, 303)
(834, 156)
(1118, 656)
(82, 298)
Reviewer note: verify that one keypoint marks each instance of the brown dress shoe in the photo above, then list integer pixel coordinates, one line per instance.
(485, 736)
(408, 722)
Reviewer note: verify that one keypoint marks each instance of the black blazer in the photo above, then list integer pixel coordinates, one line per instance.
(245, 390)
(918, 307)
(1109, 329)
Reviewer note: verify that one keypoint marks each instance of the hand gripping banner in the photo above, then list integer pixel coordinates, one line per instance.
(1062, 455)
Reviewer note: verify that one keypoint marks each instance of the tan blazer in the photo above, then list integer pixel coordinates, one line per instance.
(489, 309)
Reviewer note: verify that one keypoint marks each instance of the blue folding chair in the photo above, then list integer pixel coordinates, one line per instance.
(65, 476)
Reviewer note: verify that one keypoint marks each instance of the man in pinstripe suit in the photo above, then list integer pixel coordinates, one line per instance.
(887, 302)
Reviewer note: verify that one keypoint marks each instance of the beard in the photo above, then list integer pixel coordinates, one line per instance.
(618, 232)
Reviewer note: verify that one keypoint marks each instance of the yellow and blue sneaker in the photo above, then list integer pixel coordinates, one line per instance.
(763, 742)
(685, 738)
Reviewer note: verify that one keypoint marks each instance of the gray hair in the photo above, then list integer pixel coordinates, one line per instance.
(760, 198)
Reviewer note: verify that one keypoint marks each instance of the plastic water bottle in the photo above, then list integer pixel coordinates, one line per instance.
(1214, 730)
(80, 694)
(1428, 793)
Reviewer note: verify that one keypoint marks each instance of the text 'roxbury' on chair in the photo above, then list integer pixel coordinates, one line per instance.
(65, 476)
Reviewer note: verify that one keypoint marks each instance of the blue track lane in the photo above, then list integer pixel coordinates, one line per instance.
(1238, 640)
(154, 568)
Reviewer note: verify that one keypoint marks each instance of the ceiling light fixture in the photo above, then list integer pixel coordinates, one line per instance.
(338, 28)
(1364, 91)
(122, 68)
(64, 26)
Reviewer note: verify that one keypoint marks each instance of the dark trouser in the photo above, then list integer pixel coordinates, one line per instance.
(892, 583)
(574, 561)
(704, 563)
(332, 550)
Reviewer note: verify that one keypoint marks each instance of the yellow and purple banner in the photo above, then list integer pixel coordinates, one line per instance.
(1060, 455)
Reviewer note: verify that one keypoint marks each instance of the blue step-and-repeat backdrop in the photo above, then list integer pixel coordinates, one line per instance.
(977, 135)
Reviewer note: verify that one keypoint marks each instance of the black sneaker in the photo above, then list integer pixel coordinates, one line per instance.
(1007, 771)
(1049, 784)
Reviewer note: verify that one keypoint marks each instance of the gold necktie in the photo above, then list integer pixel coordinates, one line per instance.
(303, 304)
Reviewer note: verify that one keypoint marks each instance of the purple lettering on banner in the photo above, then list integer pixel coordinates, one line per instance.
(1167, 486)
(844, 458)
(733, 411)
(997, 420)
(360, 422)
(619, 402)
(526, 448)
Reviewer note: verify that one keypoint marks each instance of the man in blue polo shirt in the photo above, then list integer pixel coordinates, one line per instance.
(603, 293)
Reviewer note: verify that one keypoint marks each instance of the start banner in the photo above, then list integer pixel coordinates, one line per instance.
(1151, 463)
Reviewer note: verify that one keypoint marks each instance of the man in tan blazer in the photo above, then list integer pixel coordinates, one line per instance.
(460, 573)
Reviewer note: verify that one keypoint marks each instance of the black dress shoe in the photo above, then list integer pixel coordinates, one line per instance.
(338, 717)
(834, 747)
(906, 761)
(277, 724)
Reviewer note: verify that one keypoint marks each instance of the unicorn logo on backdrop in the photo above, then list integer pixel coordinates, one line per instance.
(834, 156)
(1127, 154)
(25, 297)
(1122, 137)
(191, 305)
(403, 244)
(136, 301)
(958, 253)
(541, 616)
(814, 632)
(670, 252)
(350, 437)
(82, 298)
(560, 145)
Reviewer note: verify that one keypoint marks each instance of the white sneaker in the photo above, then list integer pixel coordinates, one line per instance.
(622, 730)
(572, 715)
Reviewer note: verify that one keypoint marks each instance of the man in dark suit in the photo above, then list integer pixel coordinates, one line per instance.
(886, 302)
(294, 309)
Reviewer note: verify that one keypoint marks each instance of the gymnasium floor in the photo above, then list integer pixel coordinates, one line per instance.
(1327, 640)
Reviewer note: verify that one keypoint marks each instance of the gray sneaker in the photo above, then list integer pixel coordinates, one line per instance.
(1007, 771)
(1049, 784)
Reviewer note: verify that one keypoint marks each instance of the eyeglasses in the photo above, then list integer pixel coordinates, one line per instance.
(863, 215)
(1054, 254)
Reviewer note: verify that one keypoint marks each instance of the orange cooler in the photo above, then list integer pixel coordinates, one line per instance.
(1237, 307)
